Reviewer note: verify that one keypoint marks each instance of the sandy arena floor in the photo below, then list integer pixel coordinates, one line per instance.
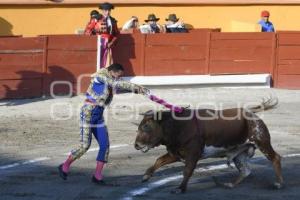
(36, 135)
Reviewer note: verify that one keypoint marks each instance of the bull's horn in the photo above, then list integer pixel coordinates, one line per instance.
(186, 106)
(135, 123)
(148, 113)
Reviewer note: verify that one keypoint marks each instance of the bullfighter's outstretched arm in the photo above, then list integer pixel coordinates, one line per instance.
(121, 84)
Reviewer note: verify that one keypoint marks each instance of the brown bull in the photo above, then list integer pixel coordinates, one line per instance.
(198, 134)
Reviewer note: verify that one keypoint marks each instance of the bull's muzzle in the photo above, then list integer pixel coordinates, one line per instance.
(137, 147)
(143, 148)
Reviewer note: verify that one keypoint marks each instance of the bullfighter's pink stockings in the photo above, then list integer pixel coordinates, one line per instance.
(67, 164)
(98, 171)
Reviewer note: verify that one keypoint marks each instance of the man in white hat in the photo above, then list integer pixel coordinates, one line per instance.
(152, 26)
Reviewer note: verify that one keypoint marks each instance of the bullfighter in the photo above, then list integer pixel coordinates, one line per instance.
(99, 95)
(109, 32)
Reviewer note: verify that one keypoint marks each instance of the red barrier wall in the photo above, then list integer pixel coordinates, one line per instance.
(129, 51)
(21, 67)
(70, 58)
(29, 66)
(288, 60)
(164, 54)
(242, 53)
(177, 54)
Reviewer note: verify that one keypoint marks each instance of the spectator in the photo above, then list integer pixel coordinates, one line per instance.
(266, 25)
(152, 26)
(108, 31)
(92, 26)
(133, 23)
(173, 25)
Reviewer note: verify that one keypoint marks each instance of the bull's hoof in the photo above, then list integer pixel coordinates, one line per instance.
(277, 185)
(226, 185)
(178, 191)
(146, 178)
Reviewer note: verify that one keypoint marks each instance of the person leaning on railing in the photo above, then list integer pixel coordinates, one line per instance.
(132, 23)
(266, 25)
(174, 25)
(152, 25)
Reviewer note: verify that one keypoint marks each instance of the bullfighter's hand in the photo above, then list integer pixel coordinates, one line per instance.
(142, 90)
(110, 44)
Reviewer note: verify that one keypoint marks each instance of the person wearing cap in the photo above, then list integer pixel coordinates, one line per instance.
(93, 26)
(109, 31)
(152, 26)
(173, 25)
(132, 23)
(266, 25)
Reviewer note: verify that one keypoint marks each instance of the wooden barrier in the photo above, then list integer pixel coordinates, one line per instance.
(21, 67)
(30, 66)
(177, 54)
(164, 54)
(242, 53)
(288, 60)
(129, 51)
(70, 59)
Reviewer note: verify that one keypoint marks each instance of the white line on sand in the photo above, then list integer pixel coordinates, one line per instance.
(159, 183)
(292, 155)
(112, 147)
(24, 163)
(96, 149)
(4, 167)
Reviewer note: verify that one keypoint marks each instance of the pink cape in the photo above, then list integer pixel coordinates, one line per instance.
(164, 103)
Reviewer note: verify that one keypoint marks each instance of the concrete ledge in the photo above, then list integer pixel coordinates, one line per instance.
(255, 80)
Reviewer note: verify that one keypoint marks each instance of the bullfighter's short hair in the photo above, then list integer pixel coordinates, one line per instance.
(115, 67)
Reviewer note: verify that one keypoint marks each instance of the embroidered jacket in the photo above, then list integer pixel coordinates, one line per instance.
(108, 26)
(104, 25)
(102, 85)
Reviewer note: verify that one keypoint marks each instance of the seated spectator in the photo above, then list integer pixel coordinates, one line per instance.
(133, 23)
(152, 26)
(266, 25)
(173, 25)
(91, 27)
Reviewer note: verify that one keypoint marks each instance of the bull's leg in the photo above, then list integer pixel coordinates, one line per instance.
(248, 147)
(275, 158)
(161, 161)
(259, 133)
(241, 163)
(190, 164)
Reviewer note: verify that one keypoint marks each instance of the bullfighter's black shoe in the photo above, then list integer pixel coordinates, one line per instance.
(98, 182)
(104, 183)
(62, 174)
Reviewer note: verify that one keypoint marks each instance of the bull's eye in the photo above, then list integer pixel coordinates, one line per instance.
(146, 128)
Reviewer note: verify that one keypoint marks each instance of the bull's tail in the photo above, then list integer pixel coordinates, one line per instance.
(266, 104)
